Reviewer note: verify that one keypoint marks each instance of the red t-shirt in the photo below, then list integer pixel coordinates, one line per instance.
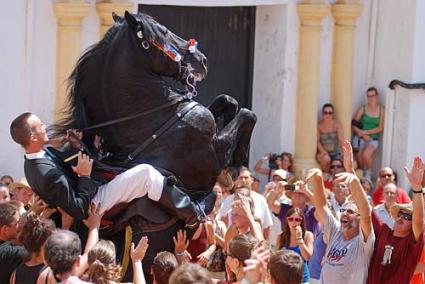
(404, 257)
(378, 196)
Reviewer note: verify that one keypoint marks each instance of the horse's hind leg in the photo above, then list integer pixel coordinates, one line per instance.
(224, 107)
(232, 144)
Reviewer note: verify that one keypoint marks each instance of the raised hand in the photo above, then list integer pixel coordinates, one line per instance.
(347, 178)
(94, 218)
(314, 174)
(84, 165)
(74, 137)
(416, 174)
(180, 243)
(38, 206)
(256, 267)
(347, 153)
(139, 252)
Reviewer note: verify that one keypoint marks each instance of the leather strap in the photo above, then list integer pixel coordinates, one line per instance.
(170, 122)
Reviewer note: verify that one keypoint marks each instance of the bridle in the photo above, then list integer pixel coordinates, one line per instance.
(185, 70)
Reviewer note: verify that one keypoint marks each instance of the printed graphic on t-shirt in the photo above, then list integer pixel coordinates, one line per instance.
(337, 253)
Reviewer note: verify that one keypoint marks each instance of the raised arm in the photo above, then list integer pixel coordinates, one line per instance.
(415, 176)
(319, 197)
(258, 167)
(274, 195)
(360, 198)
(347, 153)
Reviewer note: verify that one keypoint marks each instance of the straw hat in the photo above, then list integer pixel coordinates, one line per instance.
(397, 207)
(21, 183)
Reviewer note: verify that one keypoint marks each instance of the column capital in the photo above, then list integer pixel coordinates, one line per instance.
(346, 14)
(104, 11)
(70, 13)
(312, 14)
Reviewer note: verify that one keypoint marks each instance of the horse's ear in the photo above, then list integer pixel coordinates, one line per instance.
(117, 18)
(131, 20)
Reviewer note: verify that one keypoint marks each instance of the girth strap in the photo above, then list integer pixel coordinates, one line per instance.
(170, 122)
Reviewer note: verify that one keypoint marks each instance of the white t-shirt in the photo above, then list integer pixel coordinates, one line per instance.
(261, 209)
(345, 261)
(384, 215)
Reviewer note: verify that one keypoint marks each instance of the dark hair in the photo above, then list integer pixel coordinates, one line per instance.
(291, 160)
(35, 232)
(286, 267)
(102, 267)
(7, 212)
(372, 89)
(190, 273)
(7, 176)
(241, 246)
(20, 130)
(327, 105)
(61, 251)
(163, 266)
(338, 159)
(285, 235)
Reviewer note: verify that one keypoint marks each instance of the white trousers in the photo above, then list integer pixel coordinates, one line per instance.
(129, 185)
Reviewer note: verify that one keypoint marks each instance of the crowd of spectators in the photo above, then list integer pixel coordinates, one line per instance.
(333, 225)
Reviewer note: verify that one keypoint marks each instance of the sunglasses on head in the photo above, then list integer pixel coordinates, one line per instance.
(386, 175)
(405, 216)
(294, 219)
(349, 211)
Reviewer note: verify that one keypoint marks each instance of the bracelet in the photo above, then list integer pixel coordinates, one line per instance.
(418, 191)
(180, 253)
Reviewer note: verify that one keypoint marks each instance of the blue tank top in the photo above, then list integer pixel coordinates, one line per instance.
(306, 276)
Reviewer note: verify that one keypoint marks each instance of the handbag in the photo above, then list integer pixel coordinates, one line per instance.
(357, 124)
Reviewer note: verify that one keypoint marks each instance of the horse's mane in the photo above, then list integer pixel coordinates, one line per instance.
(85, 79)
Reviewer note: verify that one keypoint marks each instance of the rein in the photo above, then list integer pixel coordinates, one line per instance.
(130, 117)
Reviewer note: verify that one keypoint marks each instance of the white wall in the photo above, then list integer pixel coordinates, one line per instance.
(273, 106)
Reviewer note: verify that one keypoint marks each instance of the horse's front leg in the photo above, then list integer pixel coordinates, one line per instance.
(224, 107)
(232, 142)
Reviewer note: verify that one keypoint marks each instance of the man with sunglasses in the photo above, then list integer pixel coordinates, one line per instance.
(397, 251)
(336, 167)
(386, 175)
(351, 240)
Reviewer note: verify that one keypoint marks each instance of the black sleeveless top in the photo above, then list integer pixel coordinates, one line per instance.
(28, 274)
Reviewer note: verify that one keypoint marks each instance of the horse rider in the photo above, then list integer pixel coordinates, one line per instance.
(75, 192)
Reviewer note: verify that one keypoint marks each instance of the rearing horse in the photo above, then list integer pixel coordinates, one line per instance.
(122, 77)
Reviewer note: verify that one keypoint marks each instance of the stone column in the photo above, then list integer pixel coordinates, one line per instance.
(342, 62)
(104, 11)
(68, 44)
(311, 16)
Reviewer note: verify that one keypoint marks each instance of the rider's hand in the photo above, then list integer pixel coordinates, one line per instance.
(84, 165)
(71, 135)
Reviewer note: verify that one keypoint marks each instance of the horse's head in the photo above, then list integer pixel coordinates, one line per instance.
(170, 55)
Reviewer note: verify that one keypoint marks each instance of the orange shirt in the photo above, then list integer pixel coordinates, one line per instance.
(419, 278)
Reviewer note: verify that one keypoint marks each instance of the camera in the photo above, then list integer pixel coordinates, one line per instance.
(272, 161)
(290, 187)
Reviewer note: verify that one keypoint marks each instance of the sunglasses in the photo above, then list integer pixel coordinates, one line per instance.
(371, 96)
(294, 219)
(336, 166)
(405, 216)
(328, 112)
(349, 211)
(386, 175)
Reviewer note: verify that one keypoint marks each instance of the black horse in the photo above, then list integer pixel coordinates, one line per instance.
(118, 87)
